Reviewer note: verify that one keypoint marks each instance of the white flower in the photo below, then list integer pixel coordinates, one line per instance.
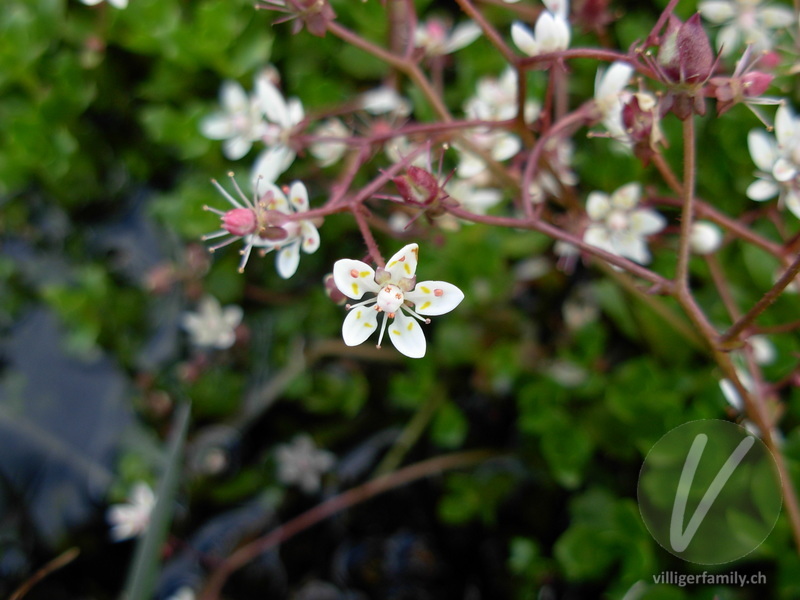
(384, 100)
(114, 3)
(746, 22)
(705, 237)
(778, 159)
(618, 226)
(332, 144)
(500, 145)
(496, 99)
(239, 123)
(130, 519)
(551, 32)
(212, 326)
(261, 223)
(433, 36)
(396, 289)
(302, 463)
(473, 194)
(282, 116)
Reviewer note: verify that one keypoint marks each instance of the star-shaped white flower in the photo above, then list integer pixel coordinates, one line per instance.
(551, 32)
(331, 143)
(778, 158)
(212, 326)
(746, 22)
(262, 223)
(130, 519)
(396, 290)
(436, 38)
(619, 226)
(302, 463)
(114, 3)
(239, 123)
(282, 116)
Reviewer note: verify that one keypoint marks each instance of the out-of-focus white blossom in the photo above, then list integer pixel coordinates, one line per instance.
(384, 101)
(131, 518)
(332, 145)
(551, 32)
(746, 22)
(619, 226)
(301, 463)
(778, 158)
(212, 326)
(239, 123)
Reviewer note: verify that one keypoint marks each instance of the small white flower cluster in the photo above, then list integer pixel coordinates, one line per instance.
(746, 22)
(778, 159)
(212, 326)
(265, 116)
(131, 518)
(301, 463)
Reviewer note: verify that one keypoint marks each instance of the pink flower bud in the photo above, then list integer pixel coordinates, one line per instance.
(239, 222)
(756, 83)
(332, 291)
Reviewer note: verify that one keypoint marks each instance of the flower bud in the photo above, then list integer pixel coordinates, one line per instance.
(685, 55)
(705, 237)
(417, 186)
(239, 222)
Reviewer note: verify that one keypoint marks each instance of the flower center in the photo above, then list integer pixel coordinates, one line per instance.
(390, 299)
(617, 220)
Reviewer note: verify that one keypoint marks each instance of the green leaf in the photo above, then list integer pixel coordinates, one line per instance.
(147, 558)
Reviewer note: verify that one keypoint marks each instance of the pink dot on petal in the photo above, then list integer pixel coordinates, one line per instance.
(438, 293)
(354, 273)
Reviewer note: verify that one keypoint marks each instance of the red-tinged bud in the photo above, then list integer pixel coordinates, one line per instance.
(332, 291)
(685, 55)
(417, 186)
(769, 60)
(239, 222)
(730, 91)
(640, 119)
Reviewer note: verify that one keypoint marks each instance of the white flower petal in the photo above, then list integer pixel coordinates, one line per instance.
(612, 81)
(236, 147)
(785, 127)
(597, 205)
(360, 323)
(505, 146)
(559, 8)
(784, 170)
(354, 277)
(776, 17)
(288, 259)
(298, 196)
(627, 196)
(596, 235)
(217, 126)
(524, 39)
(462, 35)
(728, 39)
(272, 102)
(407, 336)
(433, 298)
(762, 189)
(272, 163)
(310, 237)
(632, 246)
(763, 149)
(792, 201)
(717, 11)
(403, 264)
(646, 222)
